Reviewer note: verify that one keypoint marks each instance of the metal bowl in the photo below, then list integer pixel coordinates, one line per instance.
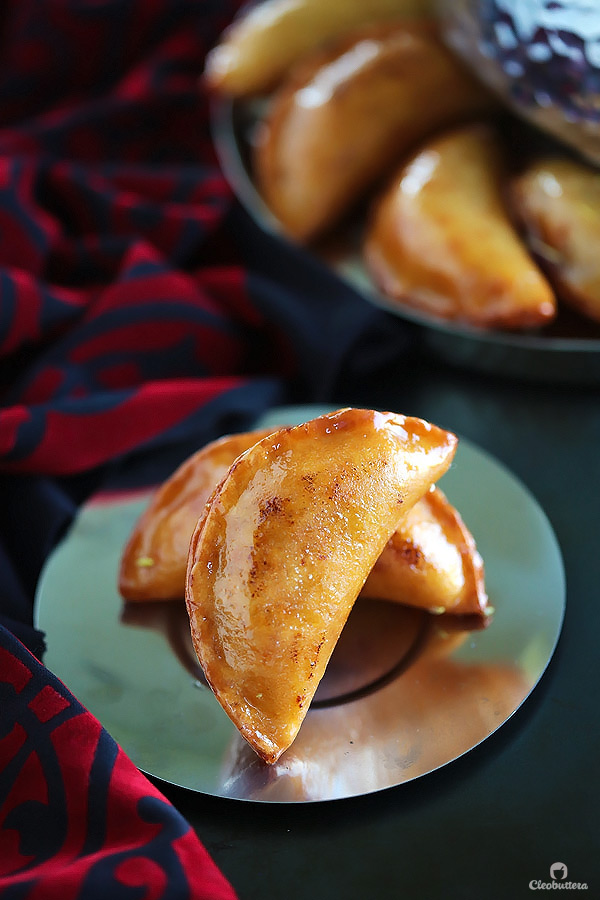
(566, 352)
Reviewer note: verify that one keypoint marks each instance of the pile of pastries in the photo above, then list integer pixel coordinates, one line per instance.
(365, 111)
(271, 536)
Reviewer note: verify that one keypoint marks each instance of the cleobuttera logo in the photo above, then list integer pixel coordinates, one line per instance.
(558, 874)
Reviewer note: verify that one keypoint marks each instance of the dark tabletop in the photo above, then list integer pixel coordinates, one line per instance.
(489, 823)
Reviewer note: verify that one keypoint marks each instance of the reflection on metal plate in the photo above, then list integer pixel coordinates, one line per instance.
(404, 693)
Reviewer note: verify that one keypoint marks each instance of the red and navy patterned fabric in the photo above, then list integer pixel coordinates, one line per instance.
(127, 301)
(142, 313)
(77, 819)
(112, 288)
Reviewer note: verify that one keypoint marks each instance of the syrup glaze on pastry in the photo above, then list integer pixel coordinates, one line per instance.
(259, 47)
(557, 199)
(441, 238)
(283, 549)
(431, 561)
(154, 560)
(348, 113)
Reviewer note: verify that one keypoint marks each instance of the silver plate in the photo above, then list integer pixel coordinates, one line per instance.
(404, 694)
(567, 351)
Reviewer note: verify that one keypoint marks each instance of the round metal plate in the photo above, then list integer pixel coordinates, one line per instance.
(404, 693)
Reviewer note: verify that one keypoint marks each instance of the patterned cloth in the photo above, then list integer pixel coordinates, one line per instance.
(77, 819)
(142, 313)
(127, 302)
(120, 316)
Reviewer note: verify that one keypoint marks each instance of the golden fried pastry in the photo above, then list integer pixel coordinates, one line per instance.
(259, 47)
(283, 549)
(154, 561)
(442, 241)
(431, 561)
(347, 114)
(558, 202)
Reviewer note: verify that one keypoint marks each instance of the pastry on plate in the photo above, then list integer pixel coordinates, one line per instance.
(557, 200)
(442, 241)
(348, 113)
(256, 51)
(283, 549)
(154, 560)
(431, 561)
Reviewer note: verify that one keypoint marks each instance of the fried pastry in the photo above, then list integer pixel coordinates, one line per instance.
(348, 113)
(557, 199)
(283, 549)
(441, 239)
(258, 49)
(431, 561)
(154, 560)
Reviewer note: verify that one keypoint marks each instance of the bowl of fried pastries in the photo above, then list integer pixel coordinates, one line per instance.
(357, 132)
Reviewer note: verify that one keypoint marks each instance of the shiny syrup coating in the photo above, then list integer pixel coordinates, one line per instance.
(431, 562)
(154, 560)
(441, 240)
(348, 112)
(283, 550)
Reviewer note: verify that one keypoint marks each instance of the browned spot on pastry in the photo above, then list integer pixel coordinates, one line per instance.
(272, 507)
(308, 481)
(336, 490)
(411, 554)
